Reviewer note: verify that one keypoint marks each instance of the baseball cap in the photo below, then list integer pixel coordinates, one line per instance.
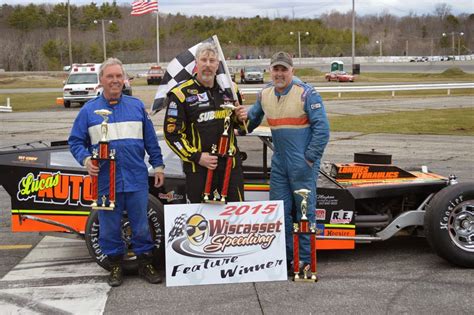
(281, 58)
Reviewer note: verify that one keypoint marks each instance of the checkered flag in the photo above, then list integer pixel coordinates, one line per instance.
(179, 225)
(180, 69)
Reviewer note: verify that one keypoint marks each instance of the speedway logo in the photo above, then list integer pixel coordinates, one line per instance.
(55, 188)
(237, 242)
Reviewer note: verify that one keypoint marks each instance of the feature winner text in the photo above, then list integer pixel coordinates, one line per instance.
(237, 270)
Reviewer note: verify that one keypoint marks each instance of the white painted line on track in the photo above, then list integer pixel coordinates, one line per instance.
(56, 277)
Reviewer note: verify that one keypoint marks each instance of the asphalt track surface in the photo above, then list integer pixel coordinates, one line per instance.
(401, 275)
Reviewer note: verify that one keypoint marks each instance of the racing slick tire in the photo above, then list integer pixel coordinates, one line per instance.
(67, 104)
(449, 224)
(129, 263)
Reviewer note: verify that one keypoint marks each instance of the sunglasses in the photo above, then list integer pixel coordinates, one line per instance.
(190, 230)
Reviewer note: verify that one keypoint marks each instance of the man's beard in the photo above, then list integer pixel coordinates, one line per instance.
(280, 83)
(207, 77)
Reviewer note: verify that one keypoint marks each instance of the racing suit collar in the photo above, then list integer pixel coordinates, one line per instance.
(112, 102)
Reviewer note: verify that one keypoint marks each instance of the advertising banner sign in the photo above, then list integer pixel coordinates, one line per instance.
(214, 243)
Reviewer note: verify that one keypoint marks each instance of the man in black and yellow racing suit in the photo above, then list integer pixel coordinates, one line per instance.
(194, 122)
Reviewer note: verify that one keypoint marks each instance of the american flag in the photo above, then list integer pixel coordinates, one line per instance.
(180, 69)
(140, 7)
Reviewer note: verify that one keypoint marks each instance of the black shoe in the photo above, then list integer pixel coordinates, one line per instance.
(146, 269)
(149, 273)
(115, 278)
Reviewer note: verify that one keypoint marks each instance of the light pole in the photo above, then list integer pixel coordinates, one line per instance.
(459, 41)
(69, 31)
(353, 36)
(299, 42)
(103, 35)
(380, 46)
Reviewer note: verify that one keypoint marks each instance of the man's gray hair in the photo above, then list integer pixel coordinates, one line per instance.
(207, 47)
(110, 62)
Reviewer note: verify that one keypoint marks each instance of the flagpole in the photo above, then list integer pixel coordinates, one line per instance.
(157, 37)
(227, 73)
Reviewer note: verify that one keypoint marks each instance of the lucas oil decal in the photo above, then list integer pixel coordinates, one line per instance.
(55, 188)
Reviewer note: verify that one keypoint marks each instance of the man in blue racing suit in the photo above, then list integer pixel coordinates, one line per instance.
(300, 132)
(130, 133)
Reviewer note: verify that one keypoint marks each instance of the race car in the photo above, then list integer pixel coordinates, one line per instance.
(366, 200)
(339, 76)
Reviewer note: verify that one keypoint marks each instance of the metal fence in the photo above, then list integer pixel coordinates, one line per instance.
(381, 88)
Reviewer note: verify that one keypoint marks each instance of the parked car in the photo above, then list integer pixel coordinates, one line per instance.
(252, 75)
(154, 75)
(82, 84)
(339, 76)
(127, 87)
(363, 201)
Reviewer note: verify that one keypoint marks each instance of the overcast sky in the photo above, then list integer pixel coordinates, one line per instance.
(288, 8)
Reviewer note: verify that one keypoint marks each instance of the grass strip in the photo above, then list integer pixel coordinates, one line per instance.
(458, 122)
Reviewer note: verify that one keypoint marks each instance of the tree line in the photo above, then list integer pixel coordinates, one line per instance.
(35, 37)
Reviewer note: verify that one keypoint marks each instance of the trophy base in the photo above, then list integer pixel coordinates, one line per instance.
(307, 278)
(216, 202)
(103, 208)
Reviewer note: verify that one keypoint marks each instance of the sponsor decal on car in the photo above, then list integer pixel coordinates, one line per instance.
(29, 159)
(170, 196)
(341, 217)
(443, 224)
(327, 200)
(321, 214)
(55, 188)
(193, 91)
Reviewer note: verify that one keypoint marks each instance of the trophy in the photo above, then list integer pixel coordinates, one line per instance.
(304, 228)
(225, 151)
(103, 154)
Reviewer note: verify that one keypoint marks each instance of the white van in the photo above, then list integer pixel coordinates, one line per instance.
(82, 84)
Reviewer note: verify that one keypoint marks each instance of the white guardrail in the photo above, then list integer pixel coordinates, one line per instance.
(380, 88)
(6, 108)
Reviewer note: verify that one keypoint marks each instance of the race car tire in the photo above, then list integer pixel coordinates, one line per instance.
(449, 225)
(129, 263)
(67, 104)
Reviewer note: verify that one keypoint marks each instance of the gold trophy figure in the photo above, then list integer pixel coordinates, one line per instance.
(103, 154)
(304, 228)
